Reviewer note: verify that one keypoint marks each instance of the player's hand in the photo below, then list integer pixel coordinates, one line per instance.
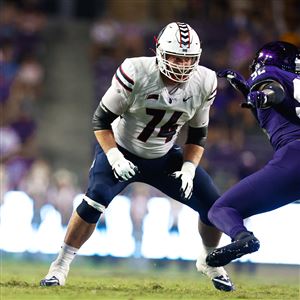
(236, 80)
(256, 99)
(186, 175)
(123, 169)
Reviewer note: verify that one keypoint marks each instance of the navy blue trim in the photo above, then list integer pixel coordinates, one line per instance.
(123, 84)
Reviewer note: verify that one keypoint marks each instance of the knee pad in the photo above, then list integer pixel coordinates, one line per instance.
(88, 213)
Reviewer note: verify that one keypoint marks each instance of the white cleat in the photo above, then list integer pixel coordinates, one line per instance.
(218, 276)
(56, 276)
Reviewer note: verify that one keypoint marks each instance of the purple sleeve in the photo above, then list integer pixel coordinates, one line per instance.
(264, 75)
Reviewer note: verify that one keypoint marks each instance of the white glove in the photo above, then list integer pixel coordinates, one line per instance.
(186, 174)
(123, 169)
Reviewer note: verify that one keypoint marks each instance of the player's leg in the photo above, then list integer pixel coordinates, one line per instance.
(204, 195)
(210, 240)
(244, 199)
(277, 184)
(206, 191)
(102, 188)
(228, 214)
(78, 232)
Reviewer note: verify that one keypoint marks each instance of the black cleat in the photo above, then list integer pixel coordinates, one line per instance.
(53, 281)
(224, 255)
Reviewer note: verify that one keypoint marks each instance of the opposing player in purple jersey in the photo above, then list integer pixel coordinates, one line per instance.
(273, 94)
(136, 125)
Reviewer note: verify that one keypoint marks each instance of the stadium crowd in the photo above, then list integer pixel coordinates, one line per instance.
(231, 31)
(23, 166)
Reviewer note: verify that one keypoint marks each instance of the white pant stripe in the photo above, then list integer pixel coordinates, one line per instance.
(94, 204)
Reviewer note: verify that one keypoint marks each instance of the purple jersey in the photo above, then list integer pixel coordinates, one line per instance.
(281, 122)
(278, 182)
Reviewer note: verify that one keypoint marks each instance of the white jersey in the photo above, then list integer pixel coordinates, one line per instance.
(151, 113)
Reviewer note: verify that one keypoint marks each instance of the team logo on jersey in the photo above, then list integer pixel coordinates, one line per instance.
(184, 36)
(187, 98)
(124, 79)
(172, 99)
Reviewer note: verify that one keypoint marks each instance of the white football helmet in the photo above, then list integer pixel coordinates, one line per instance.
(178, 39)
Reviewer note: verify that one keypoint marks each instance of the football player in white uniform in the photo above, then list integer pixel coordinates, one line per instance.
(136, 125)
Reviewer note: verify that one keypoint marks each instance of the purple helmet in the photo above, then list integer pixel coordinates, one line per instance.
(283, 55)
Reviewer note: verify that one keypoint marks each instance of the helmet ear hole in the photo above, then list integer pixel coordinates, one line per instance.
(177, 39)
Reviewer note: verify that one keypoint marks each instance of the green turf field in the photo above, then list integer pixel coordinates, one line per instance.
(122, 279)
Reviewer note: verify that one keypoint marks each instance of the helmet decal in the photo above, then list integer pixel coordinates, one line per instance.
(184, 35)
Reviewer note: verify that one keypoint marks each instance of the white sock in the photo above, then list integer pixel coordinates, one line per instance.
(65, 256)
(208, 249)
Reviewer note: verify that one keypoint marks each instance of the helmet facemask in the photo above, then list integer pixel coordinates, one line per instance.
(177, 72)
(179, 40)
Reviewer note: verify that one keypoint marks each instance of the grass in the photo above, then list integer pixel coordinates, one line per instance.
(138, 280)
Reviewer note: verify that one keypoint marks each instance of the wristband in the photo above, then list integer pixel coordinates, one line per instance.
(113, 155)
(189, 167)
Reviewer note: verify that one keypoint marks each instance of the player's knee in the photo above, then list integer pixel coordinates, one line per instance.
(88, 213)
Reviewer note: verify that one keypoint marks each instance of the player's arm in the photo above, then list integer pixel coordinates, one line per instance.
(113, 104)
(194, 146)
(265, 95)
(102, 120)
(192, 154)
(236, 80)
(198, 126)
(110, 107)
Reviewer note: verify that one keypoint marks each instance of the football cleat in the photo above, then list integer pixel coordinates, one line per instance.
(224, 255)
(56, 276)
(223, 283)
(218, 276)
(53, 281)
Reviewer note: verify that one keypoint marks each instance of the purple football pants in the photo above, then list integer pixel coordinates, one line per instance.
(275, 185)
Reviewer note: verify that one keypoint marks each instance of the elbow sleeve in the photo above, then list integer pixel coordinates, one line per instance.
(103, 118)
(197, 136)
(274, 91)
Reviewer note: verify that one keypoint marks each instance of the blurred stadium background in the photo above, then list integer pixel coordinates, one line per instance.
(57, 58)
